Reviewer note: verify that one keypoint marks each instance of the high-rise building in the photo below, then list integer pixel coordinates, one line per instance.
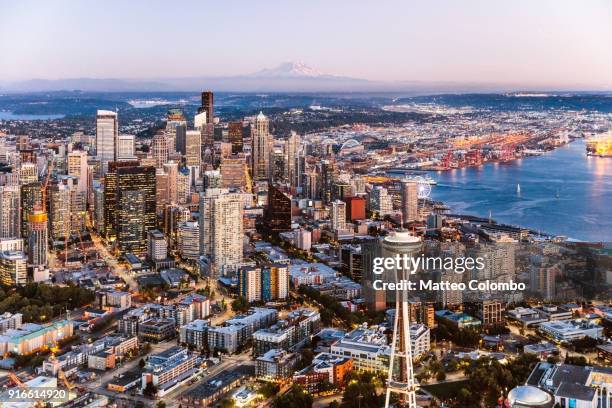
(249, 283)
(67, 207)
(125, 147)
(207, 106)
(174, 119)
(329, 173)
(31, 199)
(199, 120)
(13, 268)
(278, 212)
(161, 189)
(355, 208)
(130, 205)
(261, 148)
(158, 246)
(212, 179)
(233, 173)
(341, 191)
(235, 137)
(37, 238)
(410, 200)
(193, 148)
(98, 210)
(28, 173)
(159, 149)
(381, 202)
(181, 132)
(279, 281)
(107, 130)
(59, 210)
(208, 141)
(10, 216)
(171, 169)
(221, 228)
(78, 167)
(189, 240)
(337, 215)
(183, 185)
(292, 146)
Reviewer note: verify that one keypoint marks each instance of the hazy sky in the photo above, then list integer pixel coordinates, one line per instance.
(515, 41)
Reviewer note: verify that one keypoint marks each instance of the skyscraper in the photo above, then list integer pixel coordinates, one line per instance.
(380, 201)
(233, 171)
(262, 146)
(129, 205)
(135, 209)
(193, 148)
(77, 167)
(410, 200)
(107, 130)
(221, 228)
(28, 173)
(171, 169)
(234, 134)
(31, 199)
(174, 120)
(329, 173)
(207, 106)
(10, 224)
(37, 238)
(159, 149)
(337, 215)
(59, 210)
(292, 147)
(125, 147)
(278, 211)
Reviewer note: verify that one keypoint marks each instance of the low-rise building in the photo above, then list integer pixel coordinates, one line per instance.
(542, 350)
(367, 347)
(458, 319)
(167, 369)
(195, 334)
(30, 337)
(567, 331)
(287, 334)
(235, 332)
(275, 365)
(156, 329)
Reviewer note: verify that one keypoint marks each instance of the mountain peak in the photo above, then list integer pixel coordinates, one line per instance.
(291, 69)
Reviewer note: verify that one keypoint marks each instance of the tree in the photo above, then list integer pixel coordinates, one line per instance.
(361, 392)
(441, 376)
(150, 390)
(142, 363)
(161, 404)
(296, 397)
(268, 389)
(240, 305)
(228, 403)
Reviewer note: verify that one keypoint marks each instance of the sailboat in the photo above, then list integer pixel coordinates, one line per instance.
(518, 189)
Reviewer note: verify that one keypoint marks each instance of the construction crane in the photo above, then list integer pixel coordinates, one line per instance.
(13, 377)
(62, 376)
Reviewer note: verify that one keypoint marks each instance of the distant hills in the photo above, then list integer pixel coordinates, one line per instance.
(286, 77)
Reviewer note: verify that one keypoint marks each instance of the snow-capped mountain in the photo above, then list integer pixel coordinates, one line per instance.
(297, 69)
